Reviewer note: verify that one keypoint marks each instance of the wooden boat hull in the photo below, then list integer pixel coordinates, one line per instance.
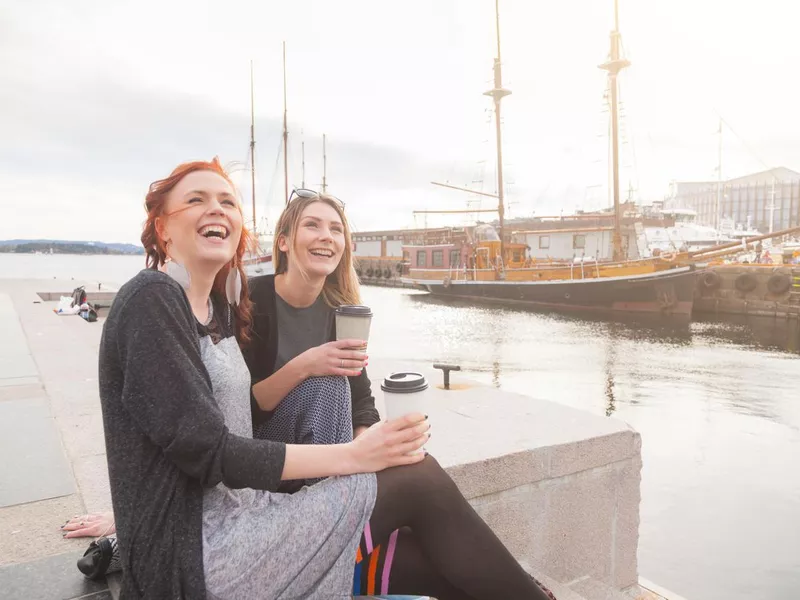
(668, 292)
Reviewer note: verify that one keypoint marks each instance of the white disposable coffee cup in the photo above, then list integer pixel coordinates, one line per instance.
(352, 323)
(405, 392)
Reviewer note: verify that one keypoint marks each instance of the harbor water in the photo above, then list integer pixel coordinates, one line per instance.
(716, 403)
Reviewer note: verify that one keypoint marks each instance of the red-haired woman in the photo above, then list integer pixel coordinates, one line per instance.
(194, 495)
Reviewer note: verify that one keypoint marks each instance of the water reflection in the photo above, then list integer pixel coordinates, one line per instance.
(766, 333)
(736, 365)
(496, 373)
(611, 401)
(755, 332)
(733, 365)
(714, 401)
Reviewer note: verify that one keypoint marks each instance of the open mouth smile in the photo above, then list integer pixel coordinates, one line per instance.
(322, 252)
(219, 232)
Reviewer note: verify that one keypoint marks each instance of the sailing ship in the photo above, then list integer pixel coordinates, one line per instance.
(490, 267)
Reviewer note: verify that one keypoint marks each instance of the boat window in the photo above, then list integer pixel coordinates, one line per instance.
(421, 259)
(438, 258)
(578, 241)
(455, 259)
(544, 242)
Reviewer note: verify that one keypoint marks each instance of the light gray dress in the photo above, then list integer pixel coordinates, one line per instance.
(258, 544)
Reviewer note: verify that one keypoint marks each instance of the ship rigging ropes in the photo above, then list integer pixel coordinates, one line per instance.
(246, 183)
(626, 125)
(240, 171)
(699, 98)
(593, 197)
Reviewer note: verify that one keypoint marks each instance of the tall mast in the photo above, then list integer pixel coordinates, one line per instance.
(253, 149)
(285, 135)
(498, 93)
(324, 167)
(614, 65)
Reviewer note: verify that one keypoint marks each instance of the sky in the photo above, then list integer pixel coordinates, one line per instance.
(98, 99)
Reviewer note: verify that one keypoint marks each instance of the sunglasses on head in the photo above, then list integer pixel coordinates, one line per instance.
(305, 193)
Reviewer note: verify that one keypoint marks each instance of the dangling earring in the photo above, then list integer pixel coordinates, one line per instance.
(175, 269)
(178, 272)
(233, 285)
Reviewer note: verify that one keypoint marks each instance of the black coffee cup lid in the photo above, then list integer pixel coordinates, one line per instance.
(404, 382)
(354, 310)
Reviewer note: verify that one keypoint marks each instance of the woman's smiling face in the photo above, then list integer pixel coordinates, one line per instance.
(202, 222)
(318, 243)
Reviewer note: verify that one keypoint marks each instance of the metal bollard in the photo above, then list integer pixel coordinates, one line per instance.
(446, 372)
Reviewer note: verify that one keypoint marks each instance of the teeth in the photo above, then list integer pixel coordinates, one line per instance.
(214, 229)
(325, 253)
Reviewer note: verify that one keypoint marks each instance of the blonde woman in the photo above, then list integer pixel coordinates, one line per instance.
(307, 387)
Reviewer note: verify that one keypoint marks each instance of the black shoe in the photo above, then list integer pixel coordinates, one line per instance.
(101, 558)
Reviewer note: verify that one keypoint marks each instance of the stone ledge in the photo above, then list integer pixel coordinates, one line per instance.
(503, 439)
(559, 486)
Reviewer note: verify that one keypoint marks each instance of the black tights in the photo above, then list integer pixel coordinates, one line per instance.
(444, 548)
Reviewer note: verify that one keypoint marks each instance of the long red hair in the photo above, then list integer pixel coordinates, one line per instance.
(156, 251)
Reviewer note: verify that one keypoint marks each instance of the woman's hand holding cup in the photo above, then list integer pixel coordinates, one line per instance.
(390, 444)
(333, 358)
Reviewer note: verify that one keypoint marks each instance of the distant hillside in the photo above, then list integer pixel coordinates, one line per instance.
(67, 247)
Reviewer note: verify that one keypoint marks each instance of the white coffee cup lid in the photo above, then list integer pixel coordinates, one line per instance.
(404, 382)
(354, 310)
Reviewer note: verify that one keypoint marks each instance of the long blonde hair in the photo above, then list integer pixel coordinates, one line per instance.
(341, 286)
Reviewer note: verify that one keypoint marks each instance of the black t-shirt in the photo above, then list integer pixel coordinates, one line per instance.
(261, 354)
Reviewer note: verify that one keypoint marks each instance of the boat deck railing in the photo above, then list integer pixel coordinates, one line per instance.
(584, 269)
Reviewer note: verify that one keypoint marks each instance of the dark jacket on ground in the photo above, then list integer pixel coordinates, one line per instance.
(262, 352)
(166, 439)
